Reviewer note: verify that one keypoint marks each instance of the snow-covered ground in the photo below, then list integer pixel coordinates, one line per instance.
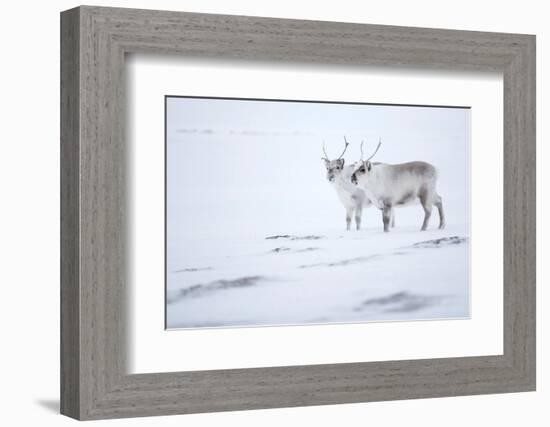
(333, 277)
(256, 235)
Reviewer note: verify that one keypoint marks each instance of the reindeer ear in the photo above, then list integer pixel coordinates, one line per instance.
(369, 166)
(342, 161)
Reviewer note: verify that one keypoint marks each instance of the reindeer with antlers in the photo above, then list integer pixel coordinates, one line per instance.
(389, 186)
(353, 198)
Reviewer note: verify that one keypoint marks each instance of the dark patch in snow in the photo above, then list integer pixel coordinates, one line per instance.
(286, 249)
(289, 237)
(192, 270)
(281, 249)
(217, 285)
(307, 250)
(342, 262)
(443, 241)
(401, 302)
(278, 236)
(349, 261)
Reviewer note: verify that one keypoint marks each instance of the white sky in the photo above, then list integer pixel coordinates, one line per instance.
(321, 119)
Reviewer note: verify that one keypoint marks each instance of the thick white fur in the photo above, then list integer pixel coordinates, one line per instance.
(388, 186)
(352, 197)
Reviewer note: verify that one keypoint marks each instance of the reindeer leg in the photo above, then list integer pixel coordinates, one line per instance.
(358, 214)
(439, 204)
(349, 213)
(392, 218)
(426, 202)
(427, 214)
(387, 212)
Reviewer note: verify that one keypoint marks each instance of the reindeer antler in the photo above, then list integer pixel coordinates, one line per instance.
(362, 149)
(325, 153)
(345, 148)
(375, 151)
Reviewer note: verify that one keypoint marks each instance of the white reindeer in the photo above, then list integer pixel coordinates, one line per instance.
(389, 186)
(352, 197)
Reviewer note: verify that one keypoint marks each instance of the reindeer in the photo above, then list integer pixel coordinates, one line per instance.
(389, 186)
(353, 198)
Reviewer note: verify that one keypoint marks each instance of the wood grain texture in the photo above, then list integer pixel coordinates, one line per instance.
(70, 292)
(95, 383)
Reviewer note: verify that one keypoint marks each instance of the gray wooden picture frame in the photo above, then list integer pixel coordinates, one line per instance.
(94, 381)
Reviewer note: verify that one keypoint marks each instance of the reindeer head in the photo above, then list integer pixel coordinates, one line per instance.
(361, 174)
(334, 167)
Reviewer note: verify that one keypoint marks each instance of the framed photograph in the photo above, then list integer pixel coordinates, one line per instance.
(342, 212)
(253, 238)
